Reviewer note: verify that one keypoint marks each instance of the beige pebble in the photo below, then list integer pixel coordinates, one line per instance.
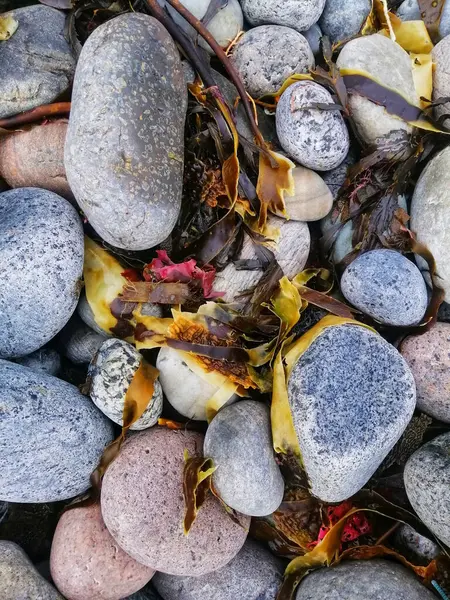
(312, 199)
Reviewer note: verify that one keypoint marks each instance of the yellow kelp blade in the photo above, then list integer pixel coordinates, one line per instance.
(274, 180)
(422, 71)
(412, 36)
(196, 486)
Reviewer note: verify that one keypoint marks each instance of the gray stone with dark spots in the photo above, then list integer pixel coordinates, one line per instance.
(51, 437)
(415, 545)
(342, 19)
(427, 483)
(300, 14)
(41, 263)
(45, 360)
(386, 286)
(124, 148)
(78, 342)
(352, 396)
(409, 10)
(36, 62)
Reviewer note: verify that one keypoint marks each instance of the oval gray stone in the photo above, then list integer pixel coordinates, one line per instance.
(409, 10)
(313, 36)
(51, 437)
(415, 544)
(300, 14)
(441, 74)
(342, 19)
(79, 343)
(239, 441)
(45, 360)
(352, 396)
(313, 137)
(41, 263)
(125, 143)
(427, 482)
(36, 62)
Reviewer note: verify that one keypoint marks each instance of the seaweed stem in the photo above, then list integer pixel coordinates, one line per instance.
(36, 114)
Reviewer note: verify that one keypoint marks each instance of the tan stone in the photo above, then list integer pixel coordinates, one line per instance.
(312, 199)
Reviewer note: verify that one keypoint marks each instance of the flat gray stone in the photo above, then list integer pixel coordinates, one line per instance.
(313, 137)
(45, 360)
(342, 19)
(239, 440)
(409, 10)
(352, 396)
(41, 263)
(79, 343)
(427, 481)
(51, 437)
(36, 62)
(254, 574)
(300, 14)
(441, 73)
(125, 143)
(386, 286)
(375, 579)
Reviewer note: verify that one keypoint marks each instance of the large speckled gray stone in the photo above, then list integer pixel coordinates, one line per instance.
(41, 263)
(254, 574)
(36, 62)
(427, 482)
(239, 441)
(313, 137)
(375, 55)
(51, 437)
(352, 396)
(363, 580)
(342, 19)
(266, 56)
(111, 373)
(386, 286)
(79, 343)
(45, 360)
(441, 73)
(409, 10)
(19, 579)
(124, 146)
(300, 14)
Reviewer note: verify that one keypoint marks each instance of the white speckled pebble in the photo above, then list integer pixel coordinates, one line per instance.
(342, 19)
(300, 14)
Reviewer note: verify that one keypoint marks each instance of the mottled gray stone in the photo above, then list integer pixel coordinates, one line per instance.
(111, 373)
(254, 574)
(124, 147)
(313, 137)
(45, 360)
(36, 62)
(351, 395)
(313, 36)
(188, 71)
(87, 316)
(363, 579)
(335, 178)
(427, 482)
(342, 19)
(267, 55)
(41, 263)
(300, 14)
(51, 437)
(239, 441)
(409, 10)
(79, 343)
(416, 545)
(19, 579)
(441, 74)
(386, 286)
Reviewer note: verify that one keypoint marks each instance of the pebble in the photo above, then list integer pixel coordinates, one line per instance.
(19, 579)
(374, 579)
(125, 136)
(264, 72)
(441, 75)
(352, 396)
(147, 593)
(315, 138)
(84, 311)
(418, 546)
(45, 360)
(79, 343)
(254, 574)
(41, 258)
(36, 62)
(386, 286)
(312, 199)
(300, 14)
(342, 19)
(111, 373)
(51, 437)
(409, 10)
(86, 562)
(239, 440)
(313, 36)
(375, 55)
(143, 507)
(335, 178)
(427, 481)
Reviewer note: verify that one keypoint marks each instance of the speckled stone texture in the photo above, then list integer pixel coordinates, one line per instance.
(386, 286)
(124, 146)
(427, 482)
(51, 437)
(375, 55)
(441, 73)
(254, 574)
(111, 373)
(335, 178)
(430, 214)
(266, 56)
(363, 580)
(417, 547)
(428, 357)
(36, 62)
(239, 440)
(45, 360)
(352, 396)
(409, 10)
(315, 138)
(342, 19)
(86, 562)
(19, 580)
(143, 507)
(300, 14)
(41, 263)
(78, 342)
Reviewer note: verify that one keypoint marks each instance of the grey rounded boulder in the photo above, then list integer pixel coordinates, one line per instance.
(441, 75)
(124, 148)
(79, 343)
(41, 263)
(51, 437)
(300, 14)
(45, 360)
(342, 19)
